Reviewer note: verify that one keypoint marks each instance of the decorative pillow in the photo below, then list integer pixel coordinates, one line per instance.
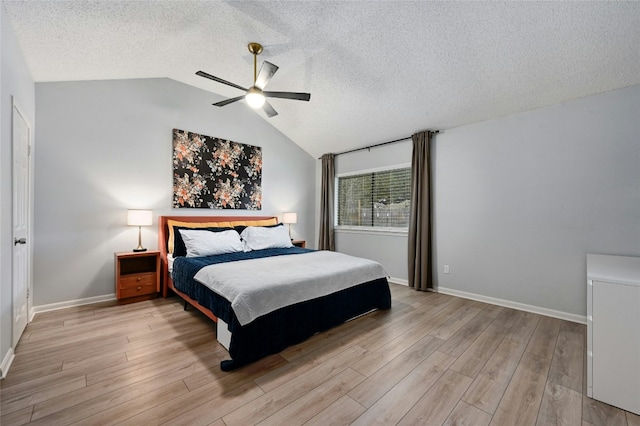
(207, 243)
(179, 249)
(261, 237)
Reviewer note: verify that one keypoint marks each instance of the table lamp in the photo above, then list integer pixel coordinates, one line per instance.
(139, 218)
(289, 218)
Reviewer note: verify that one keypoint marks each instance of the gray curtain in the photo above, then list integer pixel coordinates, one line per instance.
(420, 264)
(326, 240)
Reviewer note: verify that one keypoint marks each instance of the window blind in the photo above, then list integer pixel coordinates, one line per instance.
(379, 199)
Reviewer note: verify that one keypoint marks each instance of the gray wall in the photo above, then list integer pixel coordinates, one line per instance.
(520, 200)
(106, 146)
(15, 80)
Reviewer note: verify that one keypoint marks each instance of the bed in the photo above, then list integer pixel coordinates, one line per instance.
(249, 333)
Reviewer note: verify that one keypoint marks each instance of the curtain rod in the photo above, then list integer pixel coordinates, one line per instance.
(378, 144)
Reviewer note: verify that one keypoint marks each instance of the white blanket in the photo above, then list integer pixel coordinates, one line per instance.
(256, 287)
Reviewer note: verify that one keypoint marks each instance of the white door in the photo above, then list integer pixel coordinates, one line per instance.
(21, 148)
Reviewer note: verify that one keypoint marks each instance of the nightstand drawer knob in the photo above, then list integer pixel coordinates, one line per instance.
(138, 288)
(139, 278)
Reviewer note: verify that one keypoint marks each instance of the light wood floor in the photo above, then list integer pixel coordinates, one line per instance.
(432, 359)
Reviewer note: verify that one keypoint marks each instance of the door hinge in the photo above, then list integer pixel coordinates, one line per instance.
(29, 149)
(28, 292)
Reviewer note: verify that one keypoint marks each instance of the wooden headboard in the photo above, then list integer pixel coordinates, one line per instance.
(163, 236)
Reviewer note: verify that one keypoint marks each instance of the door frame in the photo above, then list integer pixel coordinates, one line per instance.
(15, 107)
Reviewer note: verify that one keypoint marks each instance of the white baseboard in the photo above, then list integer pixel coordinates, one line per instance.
(515, 305)
(398, 281)
(500, 302)
(6, 363)
(72, 303)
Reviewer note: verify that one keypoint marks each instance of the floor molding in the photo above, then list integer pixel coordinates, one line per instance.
(515, 305)
(6, 363)
(399, 281)
(72, 303)
(501, 302)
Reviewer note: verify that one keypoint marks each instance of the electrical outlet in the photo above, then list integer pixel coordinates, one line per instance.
(446, 269)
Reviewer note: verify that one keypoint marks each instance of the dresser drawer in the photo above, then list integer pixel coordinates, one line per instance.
(137, 280)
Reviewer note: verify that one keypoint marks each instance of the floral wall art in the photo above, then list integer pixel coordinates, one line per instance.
(214, 173)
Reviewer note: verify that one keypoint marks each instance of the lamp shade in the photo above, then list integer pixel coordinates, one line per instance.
(139, 217)
(290, 217)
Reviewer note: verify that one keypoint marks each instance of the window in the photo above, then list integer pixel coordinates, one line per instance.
(378, 199)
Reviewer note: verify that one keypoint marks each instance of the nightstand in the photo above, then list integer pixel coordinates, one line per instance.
(299, 243)
(137, 275)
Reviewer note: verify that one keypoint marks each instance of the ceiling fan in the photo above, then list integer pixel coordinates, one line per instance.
(255, 95)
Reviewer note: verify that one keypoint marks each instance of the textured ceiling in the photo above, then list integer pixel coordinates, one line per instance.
(376, 71)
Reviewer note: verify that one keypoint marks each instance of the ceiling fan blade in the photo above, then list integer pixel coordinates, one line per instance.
(267, 70)
(269, 110)
(289, 95)
(228, 101)
(219, 80)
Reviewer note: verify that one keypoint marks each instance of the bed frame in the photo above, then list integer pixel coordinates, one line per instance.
(166, 285)
(273, 332)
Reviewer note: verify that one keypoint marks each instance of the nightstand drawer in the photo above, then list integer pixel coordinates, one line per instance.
(138, 280)
(138, 290)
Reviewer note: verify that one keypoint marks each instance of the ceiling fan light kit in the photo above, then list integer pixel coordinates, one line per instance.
(255, 95)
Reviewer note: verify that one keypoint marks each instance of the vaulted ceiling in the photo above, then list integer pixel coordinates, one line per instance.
(376, 71)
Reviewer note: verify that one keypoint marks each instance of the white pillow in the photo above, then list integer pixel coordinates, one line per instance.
(260, 237)
(208, 243)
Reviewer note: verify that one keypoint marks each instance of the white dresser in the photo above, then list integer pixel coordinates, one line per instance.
(613, 330)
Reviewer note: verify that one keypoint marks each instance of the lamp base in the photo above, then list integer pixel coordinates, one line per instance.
(139, 248)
